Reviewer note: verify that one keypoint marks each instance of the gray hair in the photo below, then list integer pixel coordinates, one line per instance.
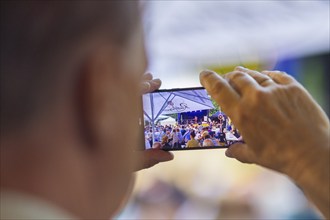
(38, 38)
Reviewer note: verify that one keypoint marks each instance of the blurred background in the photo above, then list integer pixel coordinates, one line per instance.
(184, 37)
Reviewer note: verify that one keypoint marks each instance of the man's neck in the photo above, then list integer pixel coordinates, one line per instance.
(46, 167)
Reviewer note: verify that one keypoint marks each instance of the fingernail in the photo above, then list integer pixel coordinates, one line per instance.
(205, 73)
(158, 81)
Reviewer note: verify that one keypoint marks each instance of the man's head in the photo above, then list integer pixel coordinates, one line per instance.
(192, 135)
(41, 43)
(70, 71)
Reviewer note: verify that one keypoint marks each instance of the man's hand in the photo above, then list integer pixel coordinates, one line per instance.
(151, 157)
(283, 127)
(149, 84)
(273, 112)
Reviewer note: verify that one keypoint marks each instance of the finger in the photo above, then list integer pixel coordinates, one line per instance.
(219, 89)
(151, 157)
(150, 86)
(241, 152)
(262, 79)
(242, 82)
(155, 84)
(145, 87)
(147, 77)
(279, 77)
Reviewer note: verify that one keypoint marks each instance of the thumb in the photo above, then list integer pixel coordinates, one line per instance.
(240, 152)
(151, 157)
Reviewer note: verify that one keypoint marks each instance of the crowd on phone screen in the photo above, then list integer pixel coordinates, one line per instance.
(190, 135)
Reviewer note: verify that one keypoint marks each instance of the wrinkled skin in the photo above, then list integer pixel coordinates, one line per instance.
(283, 128)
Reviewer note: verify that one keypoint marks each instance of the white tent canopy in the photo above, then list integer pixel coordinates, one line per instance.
(155, 104)
(161, 117)
(168, 121)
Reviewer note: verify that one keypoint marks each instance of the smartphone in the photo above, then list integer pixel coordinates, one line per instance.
(185, 119)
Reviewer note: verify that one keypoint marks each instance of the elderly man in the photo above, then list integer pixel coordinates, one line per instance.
(70, 70)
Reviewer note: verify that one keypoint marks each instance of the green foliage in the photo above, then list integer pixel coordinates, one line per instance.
(217, 108)
(175, 115)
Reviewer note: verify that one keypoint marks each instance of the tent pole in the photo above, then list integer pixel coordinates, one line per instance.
(152, 118)
(165, 105)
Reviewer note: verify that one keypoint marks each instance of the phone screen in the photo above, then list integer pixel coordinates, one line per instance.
(186, 119)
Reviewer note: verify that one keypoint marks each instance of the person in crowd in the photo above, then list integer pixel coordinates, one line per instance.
(175, 138)
(222, 121)
(186, 136)
(229, 128)
(214, 139)
(192, 142)
(183, 130)
(201, 133)
(217, 130)
(149, 136)
(236, 134)
(181, 140)
(222, 137)
(207, 141)
(169, 135)
(147, 143)
(157, 135)
(165, 143)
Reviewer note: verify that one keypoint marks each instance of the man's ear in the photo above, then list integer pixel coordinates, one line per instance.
(95, 85)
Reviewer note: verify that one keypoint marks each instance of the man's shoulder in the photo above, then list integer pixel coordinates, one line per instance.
(16, 205)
